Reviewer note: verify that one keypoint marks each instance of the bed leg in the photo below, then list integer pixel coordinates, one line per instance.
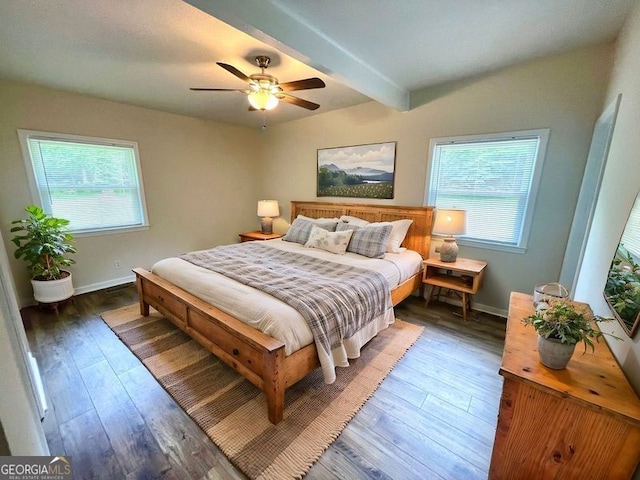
(144, 306)
(274, 384)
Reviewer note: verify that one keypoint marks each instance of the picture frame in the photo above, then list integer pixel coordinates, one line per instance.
(360, 171)
(621, 290)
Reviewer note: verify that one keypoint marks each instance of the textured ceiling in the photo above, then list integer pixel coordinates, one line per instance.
(149, 52)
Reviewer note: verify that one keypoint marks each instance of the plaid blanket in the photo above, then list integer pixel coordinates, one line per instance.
(336, 300)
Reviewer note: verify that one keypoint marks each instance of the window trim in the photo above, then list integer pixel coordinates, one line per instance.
(543, 135)
(25, 135)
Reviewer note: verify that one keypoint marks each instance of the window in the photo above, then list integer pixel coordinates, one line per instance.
(94, 183)
(495, 178)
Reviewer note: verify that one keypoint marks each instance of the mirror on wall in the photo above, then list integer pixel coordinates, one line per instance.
(622, 290)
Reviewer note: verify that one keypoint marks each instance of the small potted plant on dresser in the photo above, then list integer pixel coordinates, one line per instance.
(561, 326)
(43, 241)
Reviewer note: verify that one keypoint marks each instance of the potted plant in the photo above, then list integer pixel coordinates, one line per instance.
(561, 326)
(43, 241)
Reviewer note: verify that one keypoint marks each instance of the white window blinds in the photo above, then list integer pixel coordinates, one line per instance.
(631, 235)
(493, 179)
(94, 183)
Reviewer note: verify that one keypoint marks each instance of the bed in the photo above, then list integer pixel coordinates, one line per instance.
(259, 357)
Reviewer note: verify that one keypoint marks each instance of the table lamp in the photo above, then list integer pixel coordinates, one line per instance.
(267, 209)
(450, 223)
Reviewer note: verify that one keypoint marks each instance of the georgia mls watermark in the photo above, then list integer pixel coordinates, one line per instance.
(35, 468)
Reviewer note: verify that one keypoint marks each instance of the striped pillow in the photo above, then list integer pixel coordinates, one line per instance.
(370, 241)
(398, 233)
(300, 230)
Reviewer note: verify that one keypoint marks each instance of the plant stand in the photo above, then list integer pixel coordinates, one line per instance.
(55, 306)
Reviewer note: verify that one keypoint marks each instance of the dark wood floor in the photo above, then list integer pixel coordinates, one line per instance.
(434, 416)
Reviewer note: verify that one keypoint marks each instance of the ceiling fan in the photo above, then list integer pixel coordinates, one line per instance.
(264, 91)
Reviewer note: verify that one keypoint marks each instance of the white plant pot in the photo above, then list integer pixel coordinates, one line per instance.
(52, 291)
(553, 353)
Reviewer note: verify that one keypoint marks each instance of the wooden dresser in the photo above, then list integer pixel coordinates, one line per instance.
(577, 423)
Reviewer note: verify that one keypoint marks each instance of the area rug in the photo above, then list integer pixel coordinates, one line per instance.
(233, 412)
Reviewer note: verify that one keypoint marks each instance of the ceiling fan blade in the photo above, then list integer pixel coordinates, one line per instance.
(305, 84)
(298, 101)
(217, 89)
(234, 70)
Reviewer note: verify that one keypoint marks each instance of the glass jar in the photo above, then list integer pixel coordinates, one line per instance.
(547, 291)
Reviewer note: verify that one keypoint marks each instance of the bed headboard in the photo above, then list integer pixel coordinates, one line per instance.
(418, 237)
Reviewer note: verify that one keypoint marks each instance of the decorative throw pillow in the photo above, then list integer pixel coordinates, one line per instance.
(399, 232)
(334, 242)
(370, 241)
(400, 229)
(300, 230)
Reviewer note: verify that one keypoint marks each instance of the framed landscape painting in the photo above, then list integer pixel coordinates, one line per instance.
(362, 171)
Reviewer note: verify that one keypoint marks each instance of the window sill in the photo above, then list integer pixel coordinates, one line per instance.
(491, 246)
(111, 231)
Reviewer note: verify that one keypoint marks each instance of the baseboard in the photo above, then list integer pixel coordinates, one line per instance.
(498, 312)
(132, 278)
(25, 302)
(479, 307)
(106, 284)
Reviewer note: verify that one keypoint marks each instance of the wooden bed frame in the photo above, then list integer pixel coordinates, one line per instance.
(255, 355)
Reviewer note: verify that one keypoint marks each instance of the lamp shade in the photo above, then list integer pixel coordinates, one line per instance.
(268, 208)
(262, 99)
(450, 222)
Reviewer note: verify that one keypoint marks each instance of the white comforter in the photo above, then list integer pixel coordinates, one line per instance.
(274, 317)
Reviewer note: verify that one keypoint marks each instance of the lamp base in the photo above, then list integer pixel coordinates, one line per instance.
(449, 250)
(266, 225)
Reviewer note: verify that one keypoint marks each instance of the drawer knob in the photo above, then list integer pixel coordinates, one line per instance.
(236, 351)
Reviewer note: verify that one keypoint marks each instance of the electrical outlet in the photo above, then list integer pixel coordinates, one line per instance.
(117, 264)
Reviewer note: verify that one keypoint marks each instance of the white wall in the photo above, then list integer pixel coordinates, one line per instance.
(564, 93)
(197, 175)
(620, 185)
(202, 179)
(18, 412)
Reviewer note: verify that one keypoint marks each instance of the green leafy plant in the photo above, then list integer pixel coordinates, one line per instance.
(568, 322)
(622, 289)
(43, 241)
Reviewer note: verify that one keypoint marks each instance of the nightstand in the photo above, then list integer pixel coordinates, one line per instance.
(462, 277)
(257, 235)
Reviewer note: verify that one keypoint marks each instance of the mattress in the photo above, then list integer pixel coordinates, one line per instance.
(274, 317)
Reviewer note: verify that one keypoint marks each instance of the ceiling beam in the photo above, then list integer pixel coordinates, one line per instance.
(272, 24)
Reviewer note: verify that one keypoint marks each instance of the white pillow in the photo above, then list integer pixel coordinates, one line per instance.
(358, 222)
(399, 231)
(337, 220)
(334, 242)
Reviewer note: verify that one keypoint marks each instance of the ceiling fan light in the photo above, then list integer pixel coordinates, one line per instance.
(262, 100)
